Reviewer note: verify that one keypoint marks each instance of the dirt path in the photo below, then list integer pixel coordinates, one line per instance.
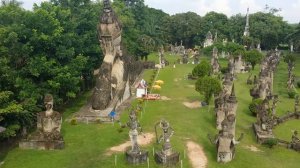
(143, 140)
(192, 105)
(196, 155)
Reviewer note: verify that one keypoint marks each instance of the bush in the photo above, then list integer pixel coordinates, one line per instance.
(98, 120)
(73, 121)
(202, 69)
(224, 70)
(271, 142)
(292, 94)
(253, 106)
(298, 84)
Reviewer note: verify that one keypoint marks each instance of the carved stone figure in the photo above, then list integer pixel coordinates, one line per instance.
(265, 123)
(166, 156)
(49, 121)
(214, 61)
(225, 142)
(239, 65)
(48, 134)
(135, 155)
(208, 40)
(295, 143)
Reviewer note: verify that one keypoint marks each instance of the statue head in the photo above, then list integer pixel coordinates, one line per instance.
(48, 102)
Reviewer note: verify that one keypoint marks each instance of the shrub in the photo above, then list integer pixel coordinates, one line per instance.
(292, 94)
(202, 69)
(98, 120)
(224, 70)
(73, 121)
(298, 84)
(253, 106)
(271, 142)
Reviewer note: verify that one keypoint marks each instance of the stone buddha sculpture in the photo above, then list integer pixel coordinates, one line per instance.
(49, 121)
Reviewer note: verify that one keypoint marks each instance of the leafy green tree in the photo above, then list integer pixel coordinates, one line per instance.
(183, 26)
(253, 57)
(202, 69)
(208, 86)
(8, 109)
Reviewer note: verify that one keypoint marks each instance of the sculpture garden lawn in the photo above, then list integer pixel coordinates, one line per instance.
(86, 145)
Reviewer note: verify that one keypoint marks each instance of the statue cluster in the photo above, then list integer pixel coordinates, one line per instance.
(48, 135)
(263, 86)
(225, 109)
(214, 61)
(177, 50)
(166, 156)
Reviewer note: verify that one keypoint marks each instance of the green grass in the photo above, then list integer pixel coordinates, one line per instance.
(85, 145)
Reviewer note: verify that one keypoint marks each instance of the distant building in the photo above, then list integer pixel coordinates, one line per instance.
(141, 89)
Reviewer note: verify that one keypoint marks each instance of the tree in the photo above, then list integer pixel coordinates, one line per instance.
(208, 86)
(202, 69)
(253, 57)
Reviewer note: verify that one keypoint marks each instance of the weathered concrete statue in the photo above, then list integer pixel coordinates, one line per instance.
(214, 61)
(48, 135)
(225, 142)
(166, 156)
(208, 40)
(135, 155)
(49, 122)
(295, 143)
(263, 127)
(112, 83)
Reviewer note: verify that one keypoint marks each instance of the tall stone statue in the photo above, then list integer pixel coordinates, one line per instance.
(135, 155)
(111, 72)
(48, 135)
(247, 27)
(166, 156)
(214, 61)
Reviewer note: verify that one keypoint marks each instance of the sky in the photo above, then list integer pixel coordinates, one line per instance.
(290, 9)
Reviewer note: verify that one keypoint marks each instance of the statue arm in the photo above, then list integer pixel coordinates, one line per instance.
(213, 141)
(239, 140)
(155, 128)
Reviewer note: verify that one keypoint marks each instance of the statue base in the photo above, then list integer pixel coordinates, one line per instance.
(136, 158)
(41, 145)
(168, 160)
(261, 135)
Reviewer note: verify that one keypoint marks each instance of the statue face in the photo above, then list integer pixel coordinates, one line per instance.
(48, 106)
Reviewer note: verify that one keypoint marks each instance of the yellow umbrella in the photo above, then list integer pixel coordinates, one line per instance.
(159, 82)
(157, 87)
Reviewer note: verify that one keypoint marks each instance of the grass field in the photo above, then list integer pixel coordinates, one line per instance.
(85, 145)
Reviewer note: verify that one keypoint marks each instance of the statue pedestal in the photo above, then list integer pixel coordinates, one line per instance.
(168, 160)
(136, 158)
(35, 141)
(262, 135)
(41, 145)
